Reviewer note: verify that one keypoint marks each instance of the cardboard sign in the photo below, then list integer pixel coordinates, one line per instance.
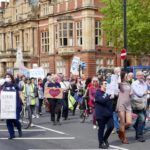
(8, 105)
(55, 93)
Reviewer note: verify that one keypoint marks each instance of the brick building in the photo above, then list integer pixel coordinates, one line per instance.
(51, 33)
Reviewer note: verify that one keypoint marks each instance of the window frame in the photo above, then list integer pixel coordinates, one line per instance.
(79, 38)
(45, 41)
(98, 33)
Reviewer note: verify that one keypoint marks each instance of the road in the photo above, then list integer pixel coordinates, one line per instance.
(70, 135)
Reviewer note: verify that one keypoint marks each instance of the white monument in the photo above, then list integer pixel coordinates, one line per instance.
(19, 59)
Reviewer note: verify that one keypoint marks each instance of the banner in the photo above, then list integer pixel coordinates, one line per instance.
(55, 93)
(8, 105)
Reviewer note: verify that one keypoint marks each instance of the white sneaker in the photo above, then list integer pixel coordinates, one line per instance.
(37, 116)
(94, 127)
(33, 116)
(31, 125)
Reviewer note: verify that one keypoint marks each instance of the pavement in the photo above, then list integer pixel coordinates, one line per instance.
(70, 135)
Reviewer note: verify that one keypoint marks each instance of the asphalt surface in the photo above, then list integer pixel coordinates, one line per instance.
(70, 135)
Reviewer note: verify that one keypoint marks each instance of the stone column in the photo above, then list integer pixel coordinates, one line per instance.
(11, 39)
(3, 41)
(76, 3)
(31, 40)
(66, 5)
(51, 36)
(22, 39)
(88, 27)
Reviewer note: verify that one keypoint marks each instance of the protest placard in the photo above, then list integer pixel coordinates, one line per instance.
(54, 93)
(8, 105)
(75, 65)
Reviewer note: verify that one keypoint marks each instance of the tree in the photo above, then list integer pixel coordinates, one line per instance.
(138, 24)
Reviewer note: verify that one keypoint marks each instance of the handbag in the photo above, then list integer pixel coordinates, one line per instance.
(138, 104)
(71, 101)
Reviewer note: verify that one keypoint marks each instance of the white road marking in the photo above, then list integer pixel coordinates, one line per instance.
(72, 149)
(41, 138)
(49, 129)
(2, 124)
(25, 130)
(118, 148)
(114, 148)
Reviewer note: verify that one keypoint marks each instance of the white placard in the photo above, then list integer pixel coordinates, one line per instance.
(8, 105)
(112, 87)
(75, 65)
(37, 73)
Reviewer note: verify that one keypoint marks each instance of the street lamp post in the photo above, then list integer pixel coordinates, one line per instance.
(125, 30)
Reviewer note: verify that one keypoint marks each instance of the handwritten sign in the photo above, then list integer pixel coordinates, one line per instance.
(55, 93)
(8, 105)
(37, 73)
(75, 65)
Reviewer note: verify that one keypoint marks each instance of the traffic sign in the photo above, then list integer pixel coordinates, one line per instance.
(123, 54)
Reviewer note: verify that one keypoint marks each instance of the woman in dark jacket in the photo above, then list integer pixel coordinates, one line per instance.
(104, 115)
(9, 86)
(55, 104)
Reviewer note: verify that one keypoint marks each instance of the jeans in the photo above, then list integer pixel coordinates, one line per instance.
(11, 123)
(139, 123)
(107, 121)
(116, 121)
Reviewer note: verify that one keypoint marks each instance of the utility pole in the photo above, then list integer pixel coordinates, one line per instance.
(125, 31)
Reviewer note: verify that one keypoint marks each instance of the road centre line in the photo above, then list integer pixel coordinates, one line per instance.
(41, 138)
(49, 129)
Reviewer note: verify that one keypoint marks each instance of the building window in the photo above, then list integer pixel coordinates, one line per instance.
(99, 64)
(61, 67)
(17, 41)
(66, 34)
(44, 9)
(98, 34)
(45, 66)
(110, 62)
(79, 33)
(45, 41)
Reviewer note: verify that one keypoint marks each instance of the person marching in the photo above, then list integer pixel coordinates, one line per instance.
(55, 104)
(104, 115)
(139, 99)
(124, 107)
(30, 98)
(10, 86)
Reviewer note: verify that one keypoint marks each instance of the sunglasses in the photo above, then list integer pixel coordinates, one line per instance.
(104, 82)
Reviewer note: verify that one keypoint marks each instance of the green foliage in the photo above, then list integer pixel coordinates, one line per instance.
(138, 24)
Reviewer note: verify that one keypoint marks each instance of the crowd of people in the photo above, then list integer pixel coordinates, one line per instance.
(111, 100)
